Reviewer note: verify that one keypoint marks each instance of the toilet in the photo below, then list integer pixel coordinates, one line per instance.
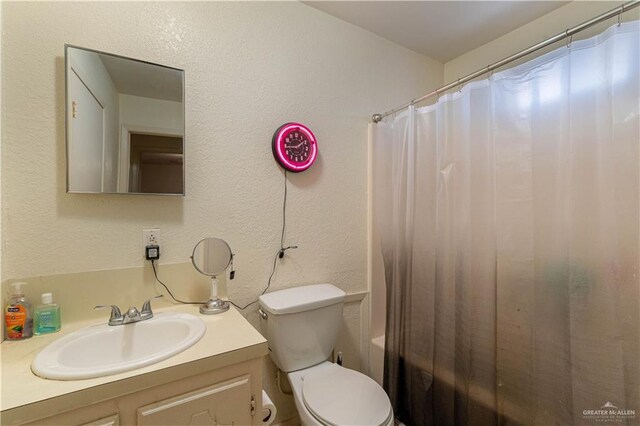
(302, 326)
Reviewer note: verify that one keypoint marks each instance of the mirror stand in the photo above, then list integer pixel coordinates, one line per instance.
(212, 257)
(214, 305)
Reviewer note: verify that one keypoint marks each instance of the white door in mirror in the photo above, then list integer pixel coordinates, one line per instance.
(105, 350)
(87, 128)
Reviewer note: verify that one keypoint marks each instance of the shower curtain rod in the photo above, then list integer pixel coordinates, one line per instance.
(376, 118)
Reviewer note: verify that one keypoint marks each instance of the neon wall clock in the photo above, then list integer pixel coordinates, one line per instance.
(294, 147)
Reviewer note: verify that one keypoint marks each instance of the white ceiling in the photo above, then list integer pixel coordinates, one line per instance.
(442, 30)
(139, 78)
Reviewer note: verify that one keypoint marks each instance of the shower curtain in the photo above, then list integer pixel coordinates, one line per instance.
(508, 214)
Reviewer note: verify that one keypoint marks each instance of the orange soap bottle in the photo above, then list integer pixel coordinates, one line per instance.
(18, 316)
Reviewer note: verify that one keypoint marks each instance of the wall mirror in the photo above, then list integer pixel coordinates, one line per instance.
(124, 125)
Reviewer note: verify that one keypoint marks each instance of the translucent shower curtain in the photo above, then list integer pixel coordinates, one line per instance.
(509, 221)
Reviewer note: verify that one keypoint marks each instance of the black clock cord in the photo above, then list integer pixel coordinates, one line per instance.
(280, 253)
(273, 270)
(284, 216)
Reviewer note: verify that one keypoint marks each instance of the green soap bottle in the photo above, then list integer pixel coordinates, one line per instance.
(47, 316)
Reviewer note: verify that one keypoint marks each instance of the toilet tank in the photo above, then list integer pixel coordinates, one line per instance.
(302, 324)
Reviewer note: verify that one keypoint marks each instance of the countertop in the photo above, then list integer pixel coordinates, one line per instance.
(229, 339)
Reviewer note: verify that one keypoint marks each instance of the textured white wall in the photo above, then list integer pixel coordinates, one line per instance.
(249, 68)
(1, 142)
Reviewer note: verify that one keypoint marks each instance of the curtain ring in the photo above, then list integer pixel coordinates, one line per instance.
(459, 86)
(437, 95)
(489, 72)
(569, 38)
(620, 15)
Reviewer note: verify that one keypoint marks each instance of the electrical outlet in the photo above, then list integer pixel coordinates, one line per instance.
(150, 237)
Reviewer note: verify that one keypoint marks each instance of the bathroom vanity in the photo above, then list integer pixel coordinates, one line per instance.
(217, 381)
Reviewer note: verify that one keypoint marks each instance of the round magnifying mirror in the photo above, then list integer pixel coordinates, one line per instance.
(211, 256)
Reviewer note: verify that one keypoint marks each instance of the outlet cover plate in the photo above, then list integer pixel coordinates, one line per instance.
(150, 237)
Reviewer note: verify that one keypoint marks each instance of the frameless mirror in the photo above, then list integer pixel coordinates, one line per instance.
(211, 256)
(124, 124)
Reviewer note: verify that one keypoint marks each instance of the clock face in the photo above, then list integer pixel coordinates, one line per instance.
(294, 147)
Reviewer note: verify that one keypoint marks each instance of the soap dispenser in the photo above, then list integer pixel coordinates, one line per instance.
(47, 316)
(18, 317)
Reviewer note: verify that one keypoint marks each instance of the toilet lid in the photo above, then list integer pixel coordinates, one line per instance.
(339, 396)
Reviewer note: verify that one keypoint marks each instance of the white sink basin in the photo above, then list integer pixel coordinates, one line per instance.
(103, 350)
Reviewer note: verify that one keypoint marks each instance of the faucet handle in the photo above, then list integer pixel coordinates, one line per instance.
(132, 315)
(146, 307)
(116, 315)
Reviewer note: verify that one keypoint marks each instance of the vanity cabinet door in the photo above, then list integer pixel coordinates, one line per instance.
(225, 403)
(107, 421)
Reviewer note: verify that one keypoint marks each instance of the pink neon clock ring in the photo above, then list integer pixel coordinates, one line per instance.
(294, 147)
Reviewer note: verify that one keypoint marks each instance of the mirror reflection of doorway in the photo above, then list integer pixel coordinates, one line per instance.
(156, 164)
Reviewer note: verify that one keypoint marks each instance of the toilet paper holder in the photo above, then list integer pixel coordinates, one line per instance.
(269, 411)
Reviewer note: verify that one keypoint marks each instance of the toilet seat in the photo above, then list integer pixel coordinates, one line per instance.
(339, 396)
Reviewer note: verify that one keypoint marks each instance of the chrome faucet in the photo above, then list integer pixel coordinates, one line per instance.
(132, 315)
